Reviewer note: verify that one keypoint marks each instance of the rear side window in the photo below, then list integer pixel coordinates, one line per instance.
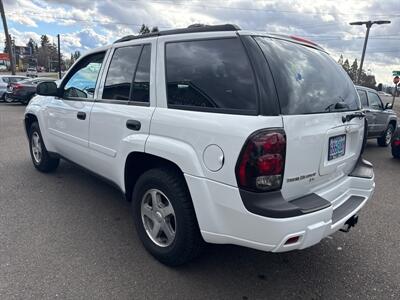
(210, 75)
(308, 81)
(363, 98)
(5, 79)
(374, 101)
(120, 73)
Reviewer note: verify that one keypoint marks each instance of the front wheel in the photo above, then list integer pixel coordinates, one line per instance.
(40, 157)
(386, 138)
(164, 217)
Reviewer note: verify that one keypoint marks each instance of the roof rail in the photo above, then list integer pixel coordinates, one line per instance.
(191, 29)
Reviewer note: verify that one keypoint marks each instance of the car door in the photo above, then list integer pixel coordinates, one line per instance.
(370, 116)
(376, 108)
(68, 115)
(120, 118)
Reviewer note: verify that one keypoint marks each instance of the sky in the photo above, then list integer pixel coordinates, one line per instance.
(86, 24)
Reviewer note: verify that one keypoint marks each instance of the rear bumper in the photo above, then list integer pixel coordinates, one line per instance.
(224, 218)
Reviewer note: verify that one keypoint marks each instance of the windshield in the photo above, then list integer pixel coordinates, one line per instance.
(308, 81)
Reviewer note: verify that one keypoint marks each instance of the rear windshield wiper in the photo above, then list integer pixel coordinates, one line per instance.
(337, 106)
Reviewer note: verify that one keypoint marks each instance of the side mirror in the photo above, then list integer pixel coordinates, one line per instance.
(47, 88)
(388, 105)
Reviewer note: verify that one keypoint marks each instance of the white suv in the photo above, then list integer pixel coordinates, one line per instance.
(215, 134)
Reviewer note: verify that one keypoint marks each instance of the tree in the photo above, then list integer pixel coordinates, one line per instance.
(367, 80)
(77, 54)
(32, 46)
(353, 71)
(155, 29)
(346, 66)
(340, 61)
(144, 29)
(44, 41)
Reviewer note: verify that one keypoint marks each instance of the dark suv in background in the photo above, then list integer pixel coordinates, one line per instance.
(382, 120)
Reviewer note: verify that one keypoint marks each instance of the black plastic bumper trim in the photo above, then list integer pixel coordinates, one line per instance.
(273, 205)
(346, 208)
(363, 169)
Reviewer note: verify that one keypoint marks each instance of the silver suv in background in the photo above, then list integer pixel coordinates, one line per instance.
(382, 120)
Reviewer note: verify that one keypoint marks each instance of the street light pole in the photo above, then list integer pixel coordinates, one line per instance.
(368, 24)
(59, 56)
(8, 39)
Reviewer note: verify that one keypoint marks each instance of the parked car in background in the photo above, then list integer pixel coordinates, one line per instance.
(382, 120)
(5, 80)
(31, 72)
(24, 90)
(382, 93)
(396, 144)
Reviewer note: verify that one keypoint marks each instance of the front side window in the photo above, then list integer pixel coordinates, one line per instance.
(374, 101)
(82, 80)
(363, 98)
(120, 73)
(210, 74)
(308, 80)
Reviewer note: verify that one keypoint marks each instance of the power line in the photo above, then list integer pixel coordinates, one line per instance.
(395, 14)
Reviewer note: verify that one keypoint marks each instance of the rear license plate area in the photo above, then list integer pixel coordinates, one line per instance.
(336, 146)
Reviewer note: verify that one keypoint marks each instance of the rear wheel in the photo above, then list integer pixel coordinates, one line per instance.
(386, 138)
(164, 217)
(40, 157)
(8, 99)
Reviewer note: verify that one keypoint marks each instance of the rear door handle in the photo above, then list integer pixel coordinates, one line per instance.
(133, 125)
(81, 115)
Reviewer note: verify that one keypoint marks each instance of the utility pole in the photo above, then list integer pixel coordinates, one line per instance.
(59, 56)
(368, 24)
(8, 39)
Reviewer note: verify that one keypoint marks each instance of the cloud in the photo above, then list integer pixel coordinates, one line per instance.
(325, 22)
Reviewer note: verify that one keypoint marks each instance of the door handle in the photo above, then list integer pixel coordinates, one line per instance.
(133, 125)
(81, 115)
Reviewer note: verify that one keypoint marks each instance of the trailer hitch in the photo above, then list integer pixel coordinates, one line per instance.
(350, 223)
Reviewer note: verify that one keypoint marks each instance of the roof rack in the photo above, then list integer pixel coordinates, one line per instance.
(191, 29)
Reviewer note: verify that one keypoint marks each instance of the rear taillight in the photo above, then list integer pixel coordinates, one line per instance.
(396, 143)
(262, 161)
(15, 86)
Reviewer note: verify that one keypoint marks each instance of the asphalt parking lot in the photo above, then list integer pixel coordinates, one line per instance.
(69, 235)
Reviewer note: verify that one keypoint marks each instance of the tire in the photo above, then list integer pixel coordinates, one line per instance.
(386, 138)
(8, 99)
(40, 157)
(396, 152)
(187, 242)
(26, 100)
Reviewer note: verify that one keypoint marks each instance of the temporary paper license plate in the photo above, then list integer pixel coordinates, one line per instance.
(337, 146)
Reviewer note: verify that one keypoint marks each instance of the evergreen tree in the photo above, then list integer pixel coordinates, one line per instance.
(44, 41)
(144, 29)
(340, 61)
(354, 71)
(346, 66)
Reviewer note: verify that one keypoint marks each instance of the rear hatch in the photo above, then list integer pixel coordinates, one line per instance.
(314, 94)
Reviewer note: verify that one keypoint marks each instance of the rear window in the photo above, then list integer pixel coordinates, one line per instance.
(210, 75)
(308, 81)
